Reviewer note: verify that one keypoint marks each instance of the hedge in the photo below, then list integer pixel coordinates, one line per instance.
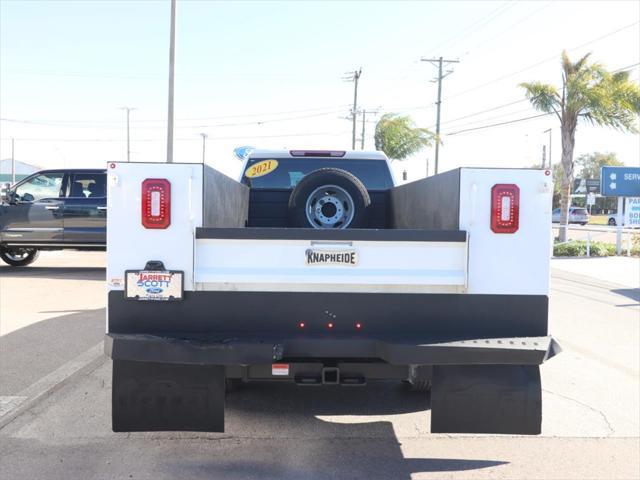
(579, 249)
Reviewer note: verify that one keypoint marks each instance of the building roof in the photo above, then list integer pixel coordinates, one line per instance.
(21, 167)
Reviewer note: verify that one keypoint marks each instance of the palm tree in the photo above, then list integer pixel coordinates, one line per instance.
(591, 93)
(398, 137)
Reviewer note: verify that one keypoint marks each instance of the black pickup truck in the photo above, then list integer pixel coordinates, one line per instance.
(53, 210)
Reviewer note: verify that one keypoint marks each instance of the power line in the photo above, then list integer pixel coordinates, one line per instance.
(481, 22)
(499, 124)
(541, 62)
(475, 122)
(509, 104)
(248, 115)
(485, 111)
(255, 122)
(516, 23)
(108, 140)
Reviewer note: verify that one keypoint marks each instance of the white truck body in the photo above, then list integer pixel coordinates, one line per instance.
(446, 288)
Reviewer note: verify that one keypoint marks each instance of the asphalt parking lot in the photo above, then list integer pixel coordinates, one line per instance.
(55, 398)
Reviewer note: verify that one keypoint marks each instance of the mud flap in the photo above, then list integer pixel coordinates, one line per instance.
(167, 397)
(486, 399)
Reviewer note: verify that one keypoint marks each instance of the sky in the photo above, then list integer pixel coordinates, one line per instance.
(271, 75)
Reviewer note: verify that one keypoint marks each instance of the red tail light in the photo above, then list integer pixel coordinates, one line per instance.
(505, 208)
(156, 203)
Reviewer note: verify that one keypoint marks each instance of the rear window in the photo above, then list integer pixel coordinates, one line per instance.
(580, 211)
(288, 171)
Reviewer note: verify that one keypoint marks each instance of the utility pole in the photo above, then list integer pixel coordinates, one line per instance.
(364, 121)
(204, 139)
(128, 109)
(13, 163)
(354, 77)
(438, 62)
(172, 61)
(549, 131)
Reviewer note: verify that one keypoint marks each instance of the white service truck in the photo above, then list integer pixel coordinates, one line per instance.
(314, 268)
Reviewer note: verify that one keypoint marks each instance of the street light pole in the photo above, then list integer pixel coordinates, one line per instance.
(128, 109)
(172, 58)
(13, 163)
(364, 120)
(204, 139)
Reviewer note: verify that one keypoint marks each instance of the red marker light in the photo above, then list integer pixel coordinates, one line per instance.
(358, 326)
(112, 165)
(547, 172)
(301, 325)
(330, 325)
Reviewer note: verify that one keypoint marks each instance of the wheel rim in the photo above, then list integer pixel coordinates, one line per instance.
(17, 256)
(330, 206)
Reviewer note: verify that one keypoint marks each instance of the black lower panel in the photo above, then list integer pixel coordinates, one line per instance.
(167, 397)
(417, 318)
(486, 399)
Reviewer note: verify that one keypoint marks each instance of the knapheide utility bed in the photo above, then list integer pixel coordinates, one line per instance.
(314, 268)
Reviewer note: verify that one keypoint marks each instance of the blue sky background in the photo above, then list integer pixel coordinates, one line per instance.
(270, 74)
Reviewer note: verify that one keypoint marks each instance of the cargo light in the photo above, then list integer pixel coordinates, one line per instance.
(505, 208)
(317, 153)
(156, 203)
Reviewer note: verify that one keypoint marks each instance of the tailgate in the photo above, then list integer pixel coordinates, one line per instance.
(299, 260)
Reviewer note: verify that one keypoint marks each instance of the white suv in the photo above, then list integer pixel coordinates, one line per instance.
(576, 215)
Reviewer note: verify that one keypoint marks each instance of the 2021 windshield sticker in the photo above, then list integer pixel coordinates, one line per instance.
(261, 168)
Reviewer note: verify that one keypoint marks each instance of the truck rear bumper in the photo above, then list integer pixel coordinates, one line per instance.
(479, 386)
(199, 350)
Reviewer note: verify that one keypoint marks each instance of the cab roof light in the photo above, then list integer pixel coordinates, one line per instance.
(317, 153)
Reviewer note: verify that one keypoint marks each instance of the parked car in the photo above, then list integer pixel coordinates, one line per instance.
(576, 215)
(53, 210)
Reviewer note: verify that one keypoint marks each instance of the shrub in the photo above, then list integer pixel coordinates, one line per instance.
(578, 248)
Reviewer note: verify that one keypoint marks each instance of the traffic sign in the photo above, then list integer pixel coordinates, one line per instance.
(620, 181)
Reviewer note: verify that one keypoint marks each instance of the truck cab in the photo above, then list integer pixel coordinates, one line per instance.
(51, 210)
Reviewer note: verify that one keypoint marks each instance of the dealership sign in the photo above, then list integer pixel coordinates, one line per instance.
(620, 181)
(632, 212)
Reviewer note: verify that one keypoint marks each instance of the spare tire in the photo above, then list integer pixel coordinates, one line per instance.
(329, 198)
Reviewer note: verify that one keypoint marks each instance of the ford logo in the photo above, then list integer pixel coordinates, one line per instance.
(154, 290)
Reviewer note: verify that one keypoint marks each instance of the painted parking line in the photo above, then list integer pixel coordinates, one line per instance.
(12, 406)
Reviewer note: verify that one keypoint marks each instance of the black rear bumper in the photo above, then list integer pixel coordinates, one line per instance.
(479, 386)
(171, 358)
(199, 350)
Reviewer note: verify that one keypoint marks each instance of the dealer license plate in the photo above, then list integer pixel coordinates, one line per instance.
(154, 285)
